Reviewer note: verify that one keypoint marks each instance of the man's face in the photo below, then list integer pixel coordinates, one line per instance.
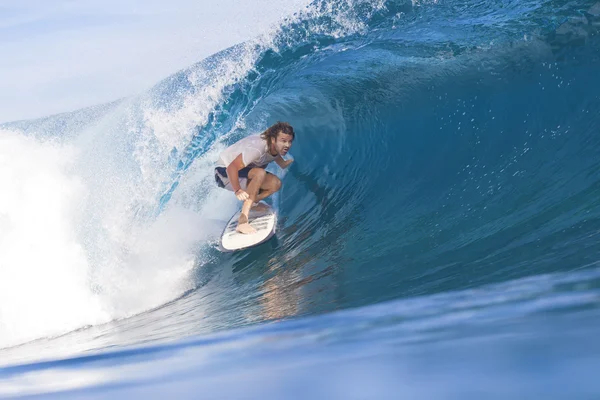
(283, 143)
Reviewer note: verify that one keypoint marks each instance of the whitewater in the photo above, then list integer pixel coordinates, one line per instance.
(437, 233)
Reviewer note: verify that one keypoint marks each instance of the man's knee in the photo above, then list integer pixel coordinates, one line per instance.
(257, 173)
(276, 184)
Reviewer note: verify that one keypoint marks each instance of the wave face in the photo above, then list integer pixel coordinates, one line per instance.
(447, 165)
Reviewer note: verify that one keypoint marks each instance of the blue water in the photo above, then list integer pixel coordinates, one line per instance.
(438, 230)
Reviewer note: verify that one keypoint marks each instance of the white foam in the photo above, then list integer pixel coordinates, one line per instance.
(72, 252)
(43, 267)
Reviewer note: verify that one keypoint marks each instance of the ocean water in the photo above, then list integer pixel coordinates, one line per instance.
(438, 231)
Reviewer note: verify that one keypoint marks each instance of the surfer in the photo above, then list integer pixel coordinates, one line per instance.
(241, 168)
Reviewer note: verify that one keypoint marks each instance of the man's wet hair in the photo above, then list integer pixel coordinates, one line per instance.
(270, 134)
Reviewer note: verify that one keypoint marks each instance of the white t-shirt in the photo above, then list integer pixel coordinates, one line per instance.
(253, 149)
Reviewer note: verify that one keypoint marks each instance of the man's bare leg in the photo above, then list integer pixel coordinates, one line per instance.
(256, 177)
(271, 184)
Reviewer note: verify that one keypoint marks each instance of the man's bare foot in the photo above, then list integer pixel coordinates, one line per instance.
(244, 226)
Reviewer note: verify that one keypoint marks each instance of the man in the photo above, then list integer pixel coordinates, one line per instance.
(241, 168)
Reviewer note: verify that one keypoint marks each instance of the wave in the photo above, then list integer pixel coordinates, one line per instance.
(441, 146)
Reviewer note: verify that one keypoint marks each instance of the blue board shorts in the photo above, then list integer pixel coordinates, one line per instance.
(222, 180)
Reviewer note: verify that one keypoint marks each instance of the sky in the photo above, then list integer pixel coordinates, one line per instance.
(62, 55)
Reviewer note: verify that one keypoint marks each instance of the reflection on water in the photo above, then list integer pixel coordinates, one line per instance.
(281, 294)
(297, 285)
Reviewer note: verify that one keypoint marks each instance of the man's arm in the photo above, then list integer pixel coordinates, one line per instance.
(232, 172)
(282, 163)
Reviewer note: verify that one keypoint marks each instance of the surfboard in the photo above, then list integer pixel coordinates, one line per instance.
(263, 221)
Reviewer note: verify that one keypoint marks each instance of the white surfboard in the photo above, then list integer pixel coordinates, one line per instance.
(263, 221)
